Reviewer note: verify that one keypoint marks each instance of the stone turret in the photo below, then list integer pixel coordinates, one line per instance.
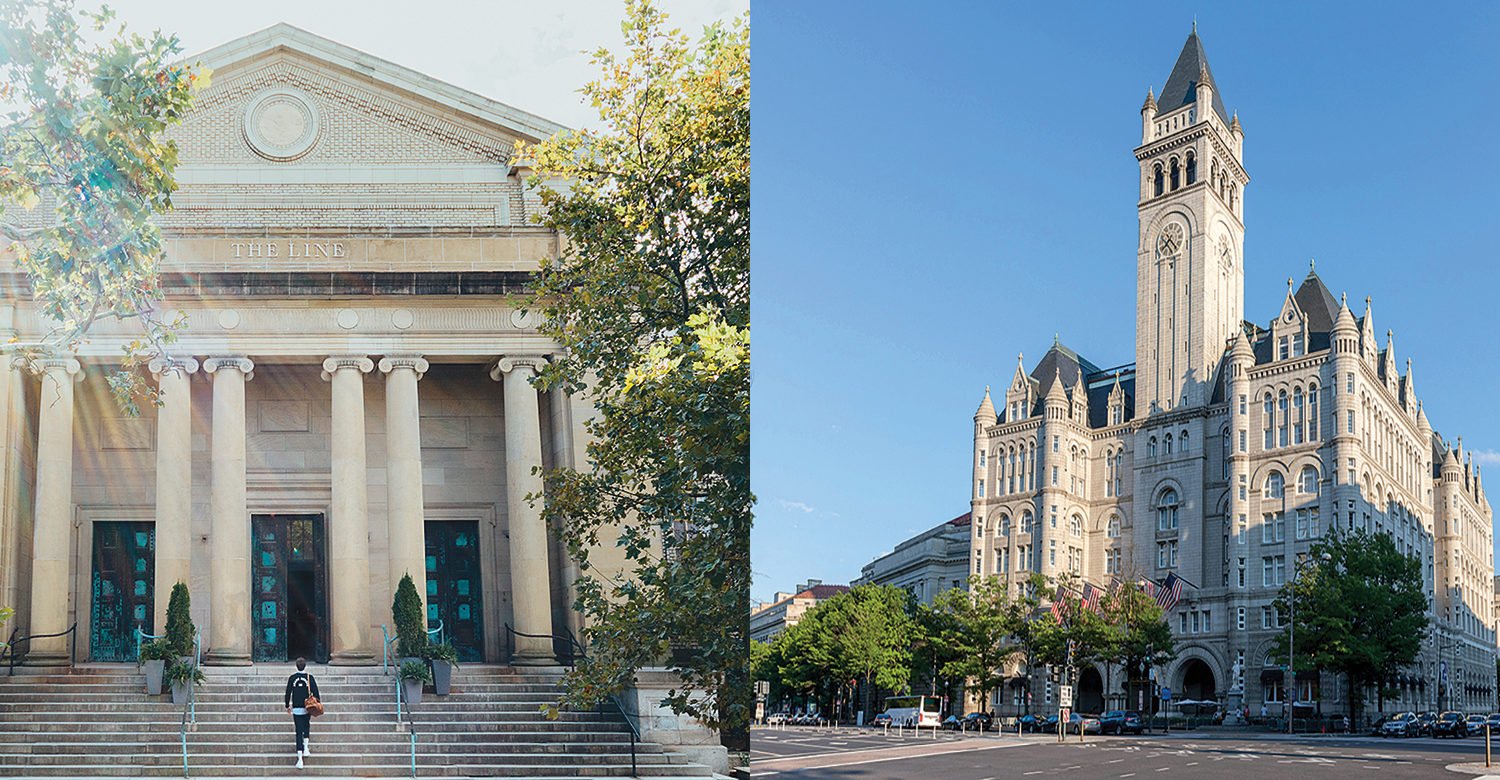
(1148, 116)
(983, 418)
(1367, 345)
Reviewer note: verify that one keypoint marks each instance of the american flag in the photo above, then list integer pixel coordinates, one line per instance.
(1149, 588)
(1059, 603)
(1170, 593)
(1091, 597)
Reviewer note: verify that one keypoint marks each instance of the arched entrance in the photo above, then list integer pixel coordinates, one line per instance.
(1090, 691)
(1198, 680)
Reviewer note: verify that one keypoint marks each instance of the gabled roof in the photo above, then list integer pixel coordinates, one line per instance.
(1317, 303)
(377, 70)
(1060, 363)
(1182, 85)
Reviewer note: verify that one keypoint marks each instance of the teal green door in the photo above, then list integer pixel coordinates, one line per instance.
(124, 576)
(454, 592)
(288, 577)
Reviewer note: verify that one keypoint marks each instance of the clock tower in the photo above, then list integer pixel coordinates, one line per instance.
(1190, 259)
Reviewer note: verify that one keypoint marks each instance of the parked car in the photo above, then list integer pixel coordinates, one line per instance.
(1494, 721)
(883, 719)
(976, 721)
(776, 719)
(1426, 721)
(1031, 724)
(1120, 721)
(1402, 724)
(1450, 724)
(952, 723)
(1378, 726)
(1084, 723)
(1475, 723)
(1049, 725)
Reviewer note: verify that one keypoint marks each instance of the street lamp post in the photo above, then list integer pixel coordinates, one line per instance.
(1291, 646)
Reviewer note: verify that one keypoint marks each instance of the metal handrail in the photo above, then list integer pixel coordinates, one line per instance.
(189, 706)
(139, 635)
(13, 642)
(438, 631)
(631, 720)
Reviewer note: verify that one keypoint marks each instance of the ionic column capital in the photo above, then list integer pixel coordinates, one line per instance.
(173, 364)
(332, 365)
(509, 363)
(47, 365)
(416, 363)
(238, 362)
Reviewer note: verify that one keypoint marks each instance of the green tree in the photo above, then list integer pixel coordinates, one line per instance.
(869, 632)
(802, 657)
(84, 167)
(1024, 614)
(1140, 638)
(1082, 637)
(650, 302)
(180, 629)
(974, 628)
(1361, 613)
(406, 613)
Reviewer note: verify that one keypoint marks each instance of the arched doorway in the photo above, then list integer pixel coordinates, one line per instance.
(1198, 680)
(1090, 691)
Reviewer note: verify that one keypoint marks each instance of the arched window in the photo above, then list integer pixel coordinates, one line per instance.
(1275, 485)
(1026, 521)
(1184, 439)
(1075, 525)
(1312, 412)
(1299, 422)
(1268, 414)
(1281, 419)
(1166, 511)
(1176, 174)
(1109, 472)
(1167, 444)
(1112, 528)
(1158, 180)
(1192, 168)
(1309, 481)
(1151, 447)
(1119, 469)
(1004, 528)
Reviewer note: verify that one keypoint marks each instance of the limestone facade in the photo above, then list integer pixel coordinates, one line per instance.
(349, 247)
(1228, 448)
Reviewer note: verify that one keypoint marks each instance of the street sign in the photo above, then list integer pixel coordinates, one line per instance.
(1066, 713)
(1065, 696)
(1166, 694)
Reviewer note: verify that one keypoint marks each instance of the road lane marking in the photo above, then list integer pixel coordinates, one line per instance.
(1164, 769)
(1128, 774)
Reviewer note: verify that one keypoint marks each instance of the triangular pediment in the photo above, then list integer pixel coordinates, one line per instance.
(359, 108)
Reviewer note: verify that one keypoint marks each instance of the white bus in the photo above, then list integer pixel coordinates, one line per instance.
(911, 711)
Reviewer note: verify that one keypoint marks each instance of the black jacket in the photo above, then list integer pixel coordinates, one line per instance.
(298, 686)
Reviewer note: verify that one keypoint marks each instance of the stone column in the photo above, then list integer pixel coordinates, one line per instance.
(229, 571)
(564, 457)
(403, 453)
(52, 533)
(530, 581)
(174, 479)
(349, 529)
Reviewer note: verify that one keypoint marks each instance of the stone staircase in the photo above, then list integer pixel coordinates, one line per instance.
(96, 721)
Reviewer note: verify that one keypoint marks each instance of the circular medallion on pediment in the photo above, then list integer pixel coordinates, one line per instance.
(282, 124)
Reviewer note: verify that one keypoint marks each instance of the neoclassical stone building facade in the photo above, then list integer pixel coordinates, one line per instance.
(1228, 448)
(349, 402)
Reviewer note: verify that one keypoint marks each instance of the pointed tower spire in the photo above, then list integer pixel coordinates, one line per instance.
(1191, 69)
(986, 413)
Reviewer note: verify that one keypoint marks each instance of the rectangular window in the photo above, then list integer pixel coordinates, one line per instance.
(1349, 379)
(1182, 623)
(1296, 344)
(1301, 529)
(1281, 570)
(1207, 623)
(1054, 476)
(1242, 441)
(1054, 444)
(1239, 531)
(981, 488)
(1194, 616)
(981, 458)
(1244, 480)
(1281, 348)
(1350, 419)
(1052, 552)
(1239, 618)
(1242, 573)
(1243, 406)
(1267, 620)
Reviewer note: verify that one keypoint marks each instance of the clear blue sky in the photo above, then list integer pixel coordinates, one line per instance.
(941, 185)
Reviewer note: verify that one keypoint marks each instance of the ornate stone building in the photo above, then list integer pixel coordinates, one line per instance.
(1228, 448)
(350, 400)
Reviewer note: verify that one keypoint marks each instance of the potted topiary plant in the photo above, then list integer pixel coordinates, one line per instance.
(413, 675)
(444, 660)
(180, 627)
(154, 657)
(179, 675)
(406, 612)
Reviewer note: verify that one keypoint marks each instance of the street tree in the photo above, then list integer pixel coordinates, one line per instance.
(869, 631)
(1361, 613)
(650, 304)
(1081, 637)
(970, 634)
(1140, 638)
(85, 170)
(1023, 615)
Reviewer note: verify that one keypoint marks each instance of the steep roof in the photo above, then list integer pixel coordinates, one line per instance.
(1317, 303)
(1182, 85)
(1060, 363)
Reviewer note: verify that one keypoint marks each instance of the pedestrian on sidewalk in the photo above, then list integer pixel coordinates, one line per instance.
(299, 686)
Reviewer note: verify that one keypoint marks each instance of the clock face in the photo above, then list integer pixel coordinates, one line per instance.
(1226, 253)
(1170, 240)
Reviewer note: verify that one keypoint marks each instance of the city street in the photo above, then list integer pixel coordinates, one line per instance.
(848, 753)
